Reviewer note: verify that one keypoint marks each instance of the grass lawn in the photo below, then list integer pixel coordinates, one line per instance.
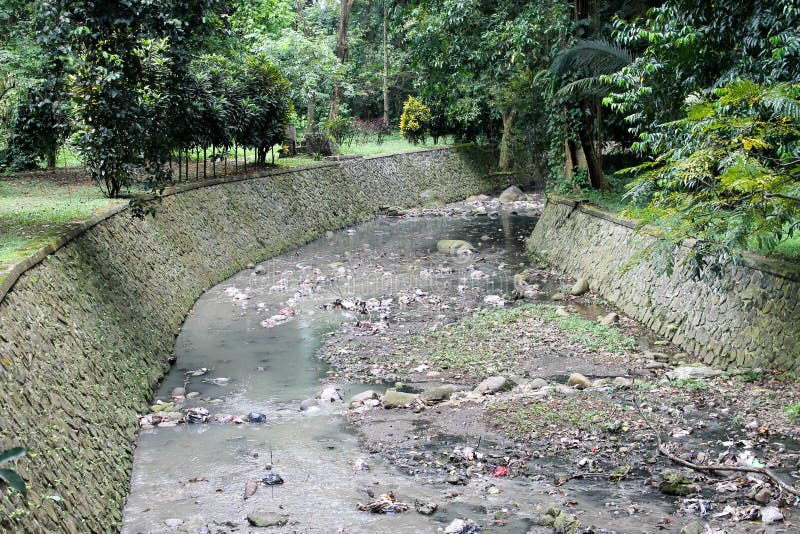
(33, 210)
(391, 143)
(37, 206)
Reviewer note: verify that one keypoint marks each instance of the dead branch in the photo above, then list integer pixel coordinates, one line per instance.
(763, 471)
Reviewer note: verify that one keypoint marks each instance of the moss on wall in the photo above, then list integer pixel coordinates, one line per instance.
(87, 333)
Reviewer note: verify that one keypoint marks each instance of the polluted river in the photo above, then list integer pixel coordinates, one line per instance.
(254, 426)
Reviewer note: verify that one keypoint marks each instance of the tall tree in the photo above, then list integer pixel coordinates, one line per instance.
(341, 52)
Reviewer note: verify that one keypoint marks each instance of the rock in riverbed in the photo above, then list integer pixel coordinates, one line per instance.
(264, 518)
(494, 384)
(512, 194)
(308, 403)
(609, 319)
(329, 395)
(691, 371)
(397, 399)
(580, 287)
(439, 393)
(454, 246)
(578, 381)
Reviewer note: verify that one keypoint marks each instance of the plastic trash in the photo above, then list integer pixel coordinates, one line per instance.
(255, 417)
(272, 479)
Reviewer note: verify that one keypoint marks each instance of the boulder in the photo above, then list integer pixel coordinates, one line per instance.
(578, 381)
(512, 194)
(580, 287)
(695, 527)
(494, 384)
(537, 383)
(454, 246)
(397, 399)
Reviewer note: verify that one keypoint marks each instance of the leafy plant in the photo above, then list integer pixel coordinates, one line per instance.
(728, 173)
(341, 129)
(415, 120)
(793, 411)
(9, 476)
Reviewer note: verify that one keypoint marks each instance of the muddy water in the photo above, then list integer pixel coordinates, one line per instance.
(194, 476)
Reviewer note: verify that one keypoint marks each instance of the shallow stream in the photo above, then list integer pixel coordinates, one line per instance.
(192, 477)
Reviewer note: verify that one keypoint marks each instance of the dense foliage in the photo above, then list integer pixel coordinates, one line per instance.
(567, 91)
(728, 173)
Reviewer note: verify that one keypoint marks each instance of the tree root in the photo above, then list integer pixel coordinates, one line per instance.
(763, 471)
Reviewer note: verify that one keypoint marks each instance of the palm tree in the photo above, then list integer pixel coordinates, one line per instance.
(590, 61)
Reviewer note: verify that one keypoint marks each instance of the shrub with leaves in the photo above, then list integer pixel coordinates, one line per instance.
(415, 120)
(728, 174)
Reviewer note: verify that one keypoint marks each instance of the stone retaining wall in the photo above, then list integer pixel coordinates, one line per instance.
(86, 333)
(748, 316)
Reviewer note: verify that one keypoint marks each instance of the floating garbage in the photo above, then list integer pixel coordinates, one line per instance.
(281, 317)
(272, 479)
(385, 504)
(255, 417)
(197, 416)
(221, 381)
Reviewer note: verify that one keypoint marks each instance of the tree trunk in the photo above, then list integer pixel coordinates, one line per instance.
(341, 53)
(311, 113)
(596, 176)
(508, 116)
(51, 157)
(385, 68)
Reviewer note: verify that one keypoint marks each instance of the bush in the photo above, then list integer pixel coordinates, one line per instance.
(340, 129)
(378, 128)
(415, 120)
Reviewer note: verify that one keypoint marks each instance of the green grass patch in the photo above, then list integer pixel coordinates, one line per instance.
(391, 144)
(520, 421)
(793, 411)
(34, 211)
(494, 340)
(689, 384)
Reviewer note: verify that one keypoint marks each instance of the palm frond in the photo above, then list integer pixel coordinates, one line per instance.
(585, 87)
(601, 57)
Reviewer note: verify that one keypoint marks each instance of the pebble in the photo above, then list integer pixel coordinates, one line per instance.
(173, 522)
(763, 496)
(770, 514)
